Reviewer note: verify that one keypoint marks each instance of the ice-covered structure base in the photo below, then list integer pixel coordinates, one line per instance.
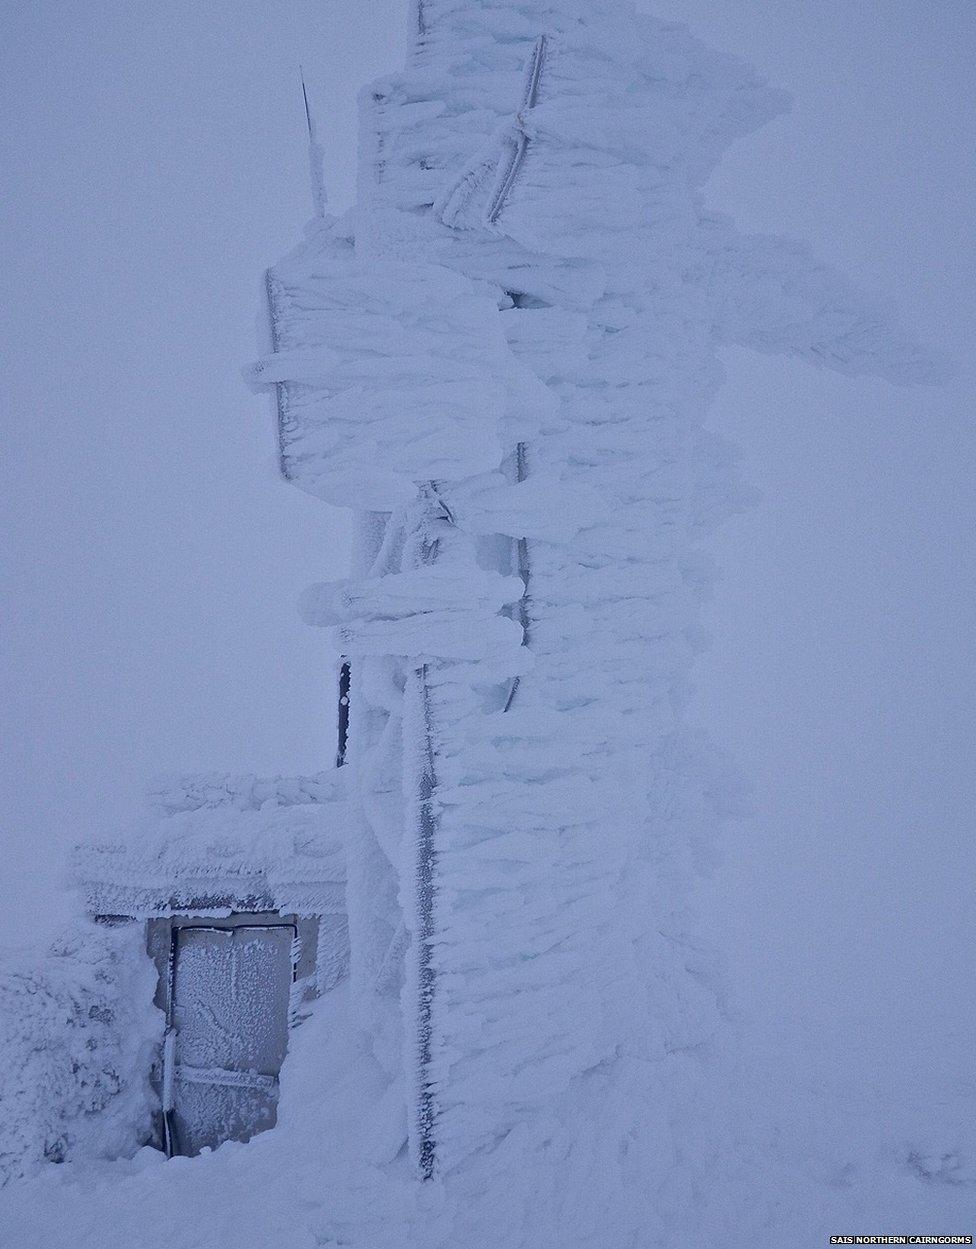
(763, 1163)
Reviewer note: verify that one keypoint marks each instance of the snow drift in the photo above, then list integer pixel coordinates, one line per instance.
(78, 1032)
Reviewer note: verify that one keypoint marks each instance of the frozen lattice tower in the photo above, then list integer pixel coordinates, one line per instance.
(500, 360)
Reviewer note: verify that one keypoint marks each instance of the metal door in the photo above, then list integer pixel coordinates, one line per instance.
(229, 1005)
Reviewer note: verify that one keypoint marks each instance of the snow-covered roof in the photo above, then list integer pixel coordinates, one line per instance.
(213, 844)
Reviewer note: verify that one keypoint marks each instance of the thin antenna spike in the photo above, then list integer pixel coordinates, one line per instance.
(308, 115)
(316, 157)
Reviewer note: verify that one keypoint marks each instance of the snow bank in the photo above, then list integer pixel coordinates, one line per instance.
(333, 1173)
(78, 1033)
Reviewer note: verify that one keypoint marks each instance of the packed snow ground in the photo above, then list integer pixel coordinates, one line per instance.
(792, 1166)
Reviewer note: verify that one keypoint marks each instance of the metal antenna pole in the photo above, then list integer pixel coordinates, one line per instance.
(315, 156)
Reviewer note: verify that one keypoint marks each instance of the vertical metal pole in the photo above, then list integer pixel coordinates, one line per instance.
(426, 867)
(345, 676)
(522, 560)
(419, 719)
(169, 1047)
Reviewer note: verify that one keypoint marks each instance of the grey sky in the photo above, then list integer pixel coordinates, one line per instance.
(155, 164)
(841, 676)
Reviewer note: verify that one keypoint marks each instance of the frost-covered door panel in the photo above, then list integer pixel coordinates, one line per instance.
(230, 1004)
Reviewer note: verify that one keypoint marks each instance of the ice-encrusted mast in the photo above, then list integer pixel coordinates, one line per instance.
(500, 359)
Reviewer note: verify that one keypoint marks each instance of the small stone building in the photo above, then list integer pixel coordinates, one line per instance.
(239, 884)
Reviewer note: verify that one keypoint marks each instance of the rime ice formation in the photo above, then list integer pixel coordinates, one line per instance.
(78, 1031)
(524, 399)
(500, 359)
(271, 841)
